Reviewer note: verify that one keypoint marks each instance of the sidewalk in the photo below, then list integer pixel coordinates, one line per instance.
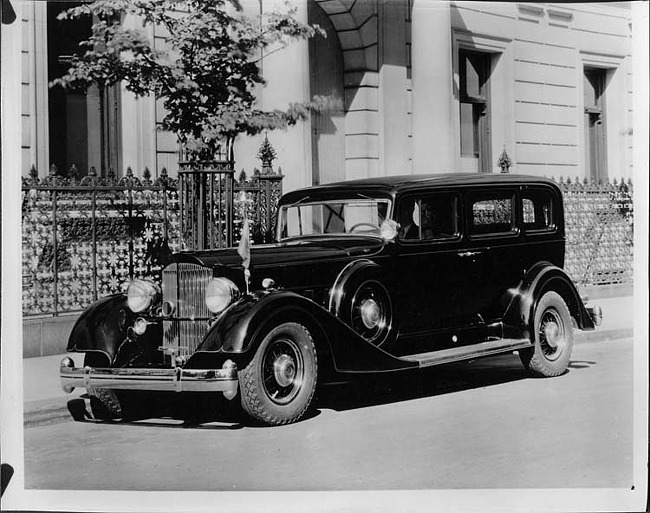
(45, 401)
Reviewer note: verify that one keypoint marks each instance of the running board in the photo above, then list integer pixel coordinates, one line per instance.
(457, 354)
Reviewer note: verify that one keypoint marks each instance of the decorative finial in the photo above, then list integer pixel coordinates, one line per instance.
(267, 155)
(504, 162)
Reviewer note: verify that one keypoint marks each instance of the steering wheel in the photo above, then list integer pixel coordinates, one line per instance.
(372, 227)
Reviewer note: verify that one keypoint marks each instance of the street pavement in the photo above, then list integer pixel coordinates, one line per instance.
(470, 426)
(45, 402)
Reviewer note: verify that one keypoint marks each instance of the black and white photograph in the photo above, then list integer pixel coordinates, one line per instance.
(324, 255)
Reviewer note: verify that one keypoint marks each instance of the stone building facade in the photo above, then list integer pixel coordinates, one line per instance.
(426, 86)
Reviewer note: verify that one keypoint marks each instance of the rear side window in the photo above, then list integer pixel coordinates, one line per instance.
(492, 214)
(537, 210)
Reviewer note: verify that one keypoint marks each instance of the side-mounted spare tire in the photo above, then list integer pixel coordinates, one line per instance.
(278, 384)
(553, 338)
(362, 302)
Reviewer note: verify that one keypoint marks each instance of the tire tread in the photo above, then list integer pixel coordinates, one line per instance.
(106, 404)
(250, 392)
(534, 361)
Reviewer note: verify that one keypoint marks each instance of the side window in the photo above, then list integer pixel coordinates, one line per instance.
(408, 218)
(439, 214)
(492, 214)
(428, 217)
(537, 210)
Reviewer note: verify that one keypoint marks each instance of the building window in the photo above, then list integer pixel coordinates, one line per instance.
(474, 74)
(84, 126)
(594, 105)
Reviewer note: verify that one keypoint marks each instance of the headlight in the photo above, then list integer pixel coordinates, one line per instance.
(141, 294)
(219, 293)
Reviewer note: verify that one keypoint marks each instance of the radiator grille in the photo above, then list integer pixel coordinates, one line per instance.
(184, 286)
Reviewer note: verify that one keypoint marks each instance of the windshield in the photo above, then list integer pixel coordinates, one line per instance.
(336, 217)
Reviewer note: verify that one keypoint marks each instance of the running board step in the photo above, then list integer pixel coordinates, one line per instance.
(456, 354)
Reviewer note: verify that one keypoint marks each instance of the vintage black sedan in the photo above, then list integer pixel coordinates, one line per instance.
(367, 276)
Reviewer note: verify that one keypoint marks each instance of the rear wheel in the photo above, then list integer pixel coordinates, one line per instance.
(277, 386)
(553, 334)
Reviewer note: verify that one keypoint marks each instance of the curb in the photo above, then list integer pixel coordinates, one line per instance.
(602, 336)
(76, 408)
(56, 411)
(48, 411)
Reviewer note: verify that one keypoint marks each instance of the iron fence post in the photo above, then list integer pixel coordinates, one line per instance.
(93, 237)
(198, 212)
(55, 249)
(270, 192)
(130, 231)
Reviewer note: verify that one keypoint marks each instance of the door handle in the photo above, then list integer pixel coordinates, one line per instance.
(468, 253)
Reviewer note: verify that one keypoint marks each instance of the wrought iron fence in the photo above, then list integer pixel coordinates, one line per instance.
(85, 238)
(599, 220)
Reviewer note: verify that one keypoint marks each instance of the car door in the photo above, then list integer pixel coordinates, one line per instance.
(430, 294)
(494, 243)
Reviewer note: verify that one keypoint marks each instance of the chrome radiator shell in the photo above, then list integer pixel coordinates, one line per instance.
(183, 285)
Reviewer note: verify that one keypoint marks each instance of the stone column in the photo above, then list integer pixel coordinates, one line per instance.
(287, 75)
(392, 86)
(40, 88)
(12, 99)
(433, 138)
(138, 123)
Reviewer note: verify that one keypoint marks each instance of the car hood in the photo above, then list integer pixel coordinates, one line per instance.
(296, 251)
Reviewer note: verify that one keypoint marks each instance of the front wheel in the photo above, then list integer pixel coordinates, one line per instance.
(105, 404)
(553, 338)
(278, 384)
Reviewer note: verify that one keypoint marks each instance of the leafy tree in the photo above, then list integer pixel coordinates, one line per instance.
(208, 73)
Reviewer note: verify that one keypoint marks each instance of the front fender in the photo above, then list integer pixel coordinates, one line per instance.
(242, 328)
(340, 288)
(522, 301)
(101, 327)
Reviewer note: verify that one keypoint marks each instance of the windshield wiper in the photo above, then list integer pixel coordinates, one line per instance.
(295, 203)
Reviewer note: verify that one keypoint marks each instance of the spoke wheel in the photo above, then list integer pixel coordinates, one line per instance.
(283, 370)
(371, 312)
(278, 384)
(553, 334)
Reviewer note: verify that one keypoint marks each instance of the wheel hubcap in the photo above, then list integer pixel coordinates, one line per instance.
(370, 313)
(551, 335)
(284, 369)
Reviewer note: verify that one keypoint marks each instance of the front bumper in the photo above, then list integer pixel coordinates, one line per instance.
(175, 379)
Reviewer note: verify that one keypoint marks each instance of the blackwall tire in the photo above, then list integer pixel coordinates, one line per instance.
(553, 338)
(105, 403)
(277, 386)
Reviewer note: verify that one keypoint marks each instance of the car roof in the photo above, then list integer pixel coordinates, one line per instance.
(401, 183)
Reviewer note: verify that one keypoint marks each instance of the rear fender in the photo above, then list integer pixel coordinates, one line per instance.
(242, 328)
(101, 328)
(522, 301)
